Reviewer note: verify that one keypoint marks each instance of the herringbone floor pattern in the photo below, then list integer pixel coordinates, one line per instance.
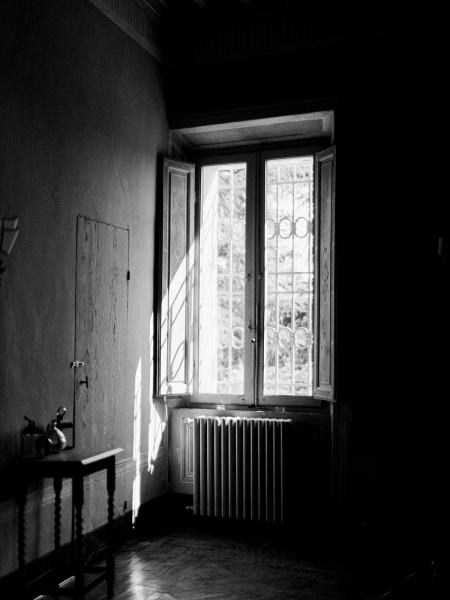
(198, 565)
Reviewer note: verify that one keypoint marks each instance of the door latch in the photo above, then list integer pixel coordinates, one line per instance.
(76, 364)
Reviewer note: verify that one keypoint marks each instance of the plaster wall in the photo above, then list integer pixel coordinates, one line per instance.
(83, 118)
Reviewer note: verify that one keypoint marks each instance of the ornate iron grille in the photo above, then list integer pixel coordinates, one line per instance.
(288, 276)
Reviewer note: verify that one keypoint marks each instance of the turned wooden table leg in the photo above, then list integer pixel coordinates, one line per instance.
(57, 486)
(110, 566)
(78, 499)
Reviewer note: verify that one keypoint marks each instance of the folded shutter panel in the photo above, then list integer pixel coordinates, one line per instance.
(325, 178)
(176, 284)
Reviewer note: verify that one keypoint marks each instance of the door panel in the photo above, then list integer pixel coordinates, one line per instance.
(101, 334)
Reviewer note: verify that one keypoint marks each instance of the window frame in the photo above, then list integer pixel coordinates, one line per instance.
(281, 399)
(254, 363)
(254, 156)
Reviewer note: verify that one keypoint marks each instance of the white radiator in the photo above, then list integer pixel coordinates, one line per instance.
(239, 468)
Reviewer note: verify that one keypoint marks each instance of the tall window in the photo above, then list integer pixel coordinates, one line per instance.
(257, 280)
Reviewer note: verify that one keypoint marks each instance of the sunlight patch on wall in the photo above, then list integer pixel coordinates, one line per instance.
(155, 437)
(137, 441)
(156, 424)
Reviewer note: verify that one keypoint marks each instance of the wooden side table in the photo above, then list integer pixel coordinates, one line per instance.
(73, 464)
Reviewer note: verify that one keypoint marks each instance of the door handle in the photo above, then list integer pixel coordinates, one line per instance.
(85, 382)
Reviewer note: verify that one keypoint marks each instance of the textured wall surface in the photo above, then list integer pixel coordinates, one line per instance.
(82, 118)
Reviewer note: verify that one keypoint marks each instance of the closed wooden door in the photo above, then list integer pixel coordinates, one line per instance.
(101, 334)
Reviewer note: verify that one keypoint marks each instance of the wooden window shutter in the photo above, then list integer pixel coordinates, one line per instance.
(325, 179)
(176, 283)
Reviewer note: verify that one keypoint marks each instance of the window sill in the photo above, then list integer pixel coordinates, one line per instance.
(278, 404)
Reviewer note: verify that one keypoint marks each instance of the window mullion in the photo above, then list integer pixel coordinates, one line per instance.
(251, 329)
(259, 279)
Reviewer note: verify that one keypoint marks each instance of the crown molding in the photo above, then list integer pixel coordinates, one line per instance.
(139, 19)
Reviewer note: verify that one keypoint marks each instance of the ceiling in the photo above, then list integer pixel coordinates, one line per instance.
(215, 6)
(197, 32)
(216, 30)
(247, 5)
(376, 10)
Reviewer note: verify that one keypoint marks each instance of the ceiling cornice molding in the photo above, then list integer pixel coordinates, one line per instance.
(139, 19)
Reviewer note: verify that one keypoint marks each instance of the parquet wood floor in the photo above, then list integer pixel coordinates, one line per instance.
(191, 564)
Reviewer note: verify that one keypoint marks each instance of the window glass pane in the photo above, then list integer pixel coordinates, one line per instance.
(288, 276)
(222, 279)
